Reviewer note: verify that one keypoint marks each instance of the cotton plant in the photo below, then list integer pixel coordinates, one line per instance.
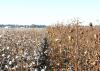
(41, 55)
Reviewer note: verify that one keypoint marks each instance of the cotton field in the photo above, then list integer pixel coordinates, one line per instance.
(55, 48)
(74, 47)
(19, 49)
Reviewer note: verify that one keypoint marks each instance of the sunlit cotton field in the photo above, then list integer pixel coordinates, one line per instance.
(60, 47)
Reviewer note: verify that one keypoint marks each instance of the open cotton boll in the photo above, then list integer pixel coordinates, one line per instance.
(3, 49)
(58, 64)
(30, 65)
(69, 37)
(93, 63)
(28, 57)
(13, 69)
(6, 66)
(36, 69)
(8, 56)
(3, 55)
(95, 36)
(16, 66)
(56, 39)
(0, 36)
(33, 62)
(16, 57)
(85, 52)
(7, 48)
(10, 62)
(43, 70)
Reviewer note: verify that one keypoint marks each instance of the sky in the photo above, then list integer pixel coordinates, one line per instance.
(47, 12)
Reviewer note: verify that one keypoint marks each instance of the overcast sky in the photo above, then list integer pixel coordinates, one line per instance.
(48, 11)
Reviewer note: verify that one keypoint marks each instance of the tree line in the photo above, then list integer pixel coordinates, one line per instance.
(21, 26)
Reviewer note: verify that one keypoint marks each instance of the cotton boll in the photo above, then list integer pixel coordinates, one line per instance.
(16, 66)
(36, 69)
(43, 70)
(58, 64)
(3, 49)
(85, 52)
(24, 66)
(7, 48)
(30, 65)
(33, 62)
(0, 36)
(3, 55)
(69, 37)
(56, 39)
(45, 67)
(93, 63)
(13, 69)
(46, 52)
(8, 56)
(6, 66)
(28, 57)
(16, 57)
(10, 62)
